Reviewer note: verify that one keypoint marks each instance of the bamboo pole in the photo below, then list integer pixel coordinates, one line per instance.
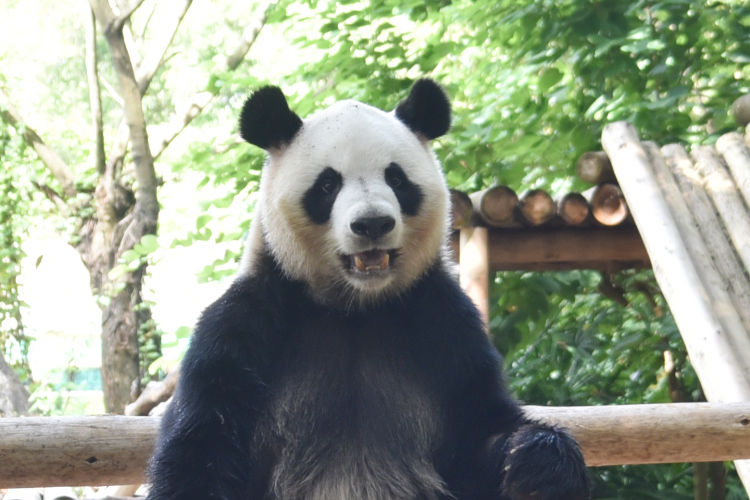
(79, 451)
(722, 253)
(714, 284)
(737, 157)
(721, 373)
(720, 368)
(723, 192)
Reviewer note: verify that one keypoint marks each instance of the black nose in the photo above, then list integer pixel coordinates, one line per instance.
(373, 227)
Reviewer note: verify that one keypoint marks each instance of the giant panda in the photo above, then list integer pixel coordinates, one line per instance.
(345, 362)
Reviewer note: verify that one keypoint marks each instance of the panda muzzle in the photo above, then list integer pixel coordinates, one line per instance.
(371, 260)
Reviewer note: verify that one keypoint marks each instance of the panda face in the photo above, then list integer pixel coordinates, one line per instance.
(354, 205)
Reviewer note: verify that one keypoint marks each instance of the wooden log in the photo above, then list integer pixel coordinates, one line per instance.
(608, 206)
(737, 157)
(75, 451)
(79, 451)
(729, 204)
(714, 284)
(741, 110)
(722, 375)
(461, 209)
(644, 434)
(606, 249)
(536, 207)
(574, 209)
(722, 253)
(496, 205)
(473, 268)
(594, 167)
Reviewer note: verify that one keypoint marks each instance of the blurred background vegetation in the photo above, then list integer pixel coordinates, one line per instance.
(532, 83)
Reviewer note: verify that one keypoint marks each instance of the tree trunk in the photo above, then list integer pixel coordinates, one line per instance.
(14, 399)
(120, 321)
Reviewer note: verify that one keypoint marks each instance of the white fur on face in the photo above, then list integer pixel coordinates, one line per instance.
(359, 142)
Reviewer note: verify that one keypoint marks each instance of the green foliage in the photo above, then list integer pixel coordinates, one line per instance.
(566, 344)
(14, 193)
(532, 83)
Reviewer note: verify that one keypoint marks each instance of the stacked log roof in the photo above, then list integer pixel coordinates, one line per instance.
(539, 230)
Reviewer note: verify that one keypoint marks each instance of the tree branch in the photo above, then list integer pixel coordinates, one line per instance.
(167, 28)
(122, 18)
(133, 108)
(201, 100)
(95, 96)
(146, 72)
(49, 157)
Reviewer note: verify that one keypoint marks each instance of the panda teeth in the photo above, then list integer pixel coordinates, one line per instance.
(374, 260)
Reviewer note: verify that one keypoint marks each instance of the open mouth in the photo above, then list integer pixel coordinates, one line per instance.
(370, 262)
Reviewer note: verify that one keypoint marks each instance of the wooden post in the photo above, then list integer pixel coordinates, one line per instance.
(474, 268)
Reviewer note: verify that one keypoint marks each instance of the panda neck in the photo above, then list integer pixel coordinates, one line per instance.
(267, 270)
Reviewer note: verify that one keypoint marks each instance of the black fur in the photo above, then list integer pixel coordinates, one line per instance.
(320, 197)
(266, 120)
(278, 394)
(281, 398)
(408, 194)
(426, 111)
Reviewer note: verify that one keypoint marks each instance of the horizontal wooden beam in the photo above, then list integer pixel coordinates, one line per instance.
(656, 433)
(551, 249)
(77, 451)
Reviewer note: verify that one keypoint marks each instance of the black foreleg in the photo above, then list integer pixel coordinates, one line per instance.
(540, 462)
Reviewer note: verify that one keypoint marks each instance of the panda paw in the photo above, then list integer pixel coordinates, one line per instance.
(543, 463)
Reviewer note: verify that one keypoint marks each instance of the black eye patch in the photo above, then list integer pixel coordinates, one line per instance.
(408, 194)
(318, 200)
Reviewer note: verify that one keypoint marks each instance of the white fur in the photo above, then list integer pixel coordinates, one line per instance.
(359, 141)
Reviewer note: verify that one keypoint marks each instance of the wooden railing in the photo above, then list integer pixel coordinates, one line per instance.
(76, 451)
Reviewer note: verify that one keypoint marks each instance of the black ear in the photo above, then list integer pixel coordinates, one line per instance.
(426, 111)
(266, 119)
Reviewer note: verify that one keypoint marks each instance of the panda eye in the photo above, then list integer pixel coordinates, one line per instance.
(329, 182)
(328, 186)
(394, 178)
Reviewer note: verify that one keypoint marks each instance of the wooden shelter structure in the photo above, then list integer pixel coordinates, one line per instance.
(693, 227)
(683, 214)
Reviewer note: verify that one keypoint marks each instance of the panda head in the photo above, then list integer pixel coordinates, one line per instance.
(352, 199)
